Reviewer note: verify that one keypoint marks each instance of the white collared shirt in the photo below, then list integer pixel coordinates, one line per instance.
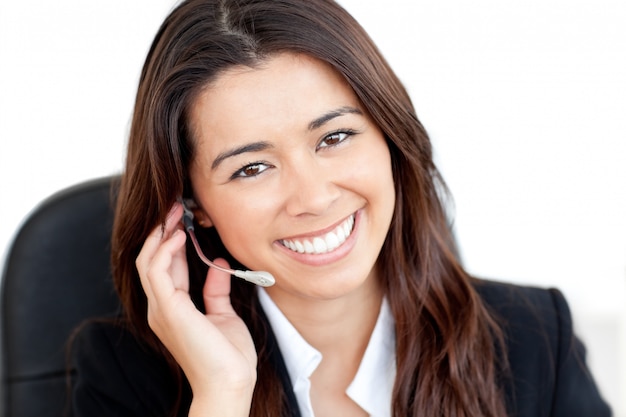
(373, 383)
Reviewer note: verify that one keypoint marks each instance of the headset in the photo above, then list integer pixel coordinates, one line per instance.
(261, 278)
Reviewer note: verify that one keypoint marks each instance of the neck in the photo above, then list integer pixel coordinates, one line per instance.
(336, 327)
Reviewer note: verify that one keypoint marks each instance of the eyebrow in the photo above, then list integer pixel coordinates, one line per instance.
(249, 147)
(333, 114)
(262, 145)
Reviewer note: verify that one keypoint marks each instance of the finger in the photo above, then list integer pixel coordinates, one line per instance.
(167, 272)
(216, 291)
(160, 241)
(158, 234)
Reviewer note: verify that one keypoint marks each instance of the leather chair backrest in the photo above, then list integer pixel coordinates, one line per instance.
(56, 275)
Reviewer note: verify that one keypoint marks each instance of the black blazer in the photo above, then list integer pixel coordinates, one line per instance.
(116, 376)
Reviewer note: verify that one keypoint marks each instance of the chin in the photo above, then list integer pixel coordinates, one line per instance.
(329, 287)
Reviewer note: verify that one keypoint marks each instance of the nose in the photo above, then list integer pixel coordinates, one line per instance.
(310, 187)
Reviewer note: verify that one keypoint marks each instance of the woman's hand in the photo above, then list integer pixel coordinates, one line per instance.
(215, 350)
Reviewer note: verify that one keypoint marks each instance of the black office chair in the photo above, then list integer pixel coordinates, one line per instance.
(56, 275)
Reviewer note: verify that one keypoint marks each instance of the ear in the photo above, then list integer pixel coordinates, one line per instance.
(202, 218)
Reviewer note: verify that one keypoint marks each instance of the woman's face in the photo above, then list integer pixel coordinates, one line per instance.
(294, 175)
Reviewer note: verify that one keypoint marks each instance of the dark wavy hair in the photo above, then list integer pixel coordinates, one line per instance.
(448, 346)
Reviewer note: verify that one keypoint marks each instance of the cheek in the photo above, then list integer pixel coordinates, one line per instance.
(236, 239)
(372, 167)
(241, 227)
(379, 181)
(229, 219)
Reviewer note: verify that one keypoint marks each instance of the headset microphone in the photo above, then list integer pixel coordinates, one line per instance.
(261, 278)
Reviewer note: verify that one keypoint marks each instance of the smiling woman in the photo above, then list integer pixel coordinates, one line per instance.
(300, 154)
(306, 159)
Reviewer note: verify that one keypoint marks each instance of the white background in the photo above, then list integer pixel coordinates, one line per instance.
(525, 102)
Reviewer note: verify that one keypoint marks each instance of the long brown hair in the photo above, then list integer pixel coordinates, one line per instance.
(448, 346)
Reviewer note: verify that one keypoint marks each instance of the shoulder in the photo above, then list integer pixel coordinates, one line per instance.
(533, 320)
(547, 370)
(531, 311)
(506, 296)
(115, 374)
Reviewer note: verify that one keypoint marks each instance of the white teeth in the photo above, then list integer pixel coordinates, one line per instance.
(341, 234)
(329, 242)
(347, 226)
(332, 241)
(319, 245)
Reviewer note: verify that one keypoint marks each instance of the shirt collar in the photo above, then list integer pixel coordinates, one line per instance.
(373, 383)
(301, 359)
(372, 386)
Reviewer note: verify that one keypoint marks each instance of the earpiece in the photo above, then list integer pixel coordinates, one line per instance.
(261, 278)
(187, 213)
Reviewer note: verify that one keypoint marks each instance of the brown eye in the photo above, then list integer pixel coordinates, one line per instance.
(335, 138)
(250, 170)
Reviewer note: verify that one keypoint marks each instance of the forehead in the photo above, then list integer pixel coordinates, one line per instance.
(282, 71)
(286, 90)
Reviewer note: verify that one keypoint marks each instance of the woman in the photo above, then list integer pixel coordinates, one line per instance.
(299, 153)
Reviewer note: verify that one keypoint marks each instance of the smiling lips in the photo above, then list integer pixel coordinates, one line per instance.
(322, 244)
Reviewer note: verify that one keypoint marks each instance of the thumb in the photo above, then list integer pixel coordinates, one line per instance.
(216, 291)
